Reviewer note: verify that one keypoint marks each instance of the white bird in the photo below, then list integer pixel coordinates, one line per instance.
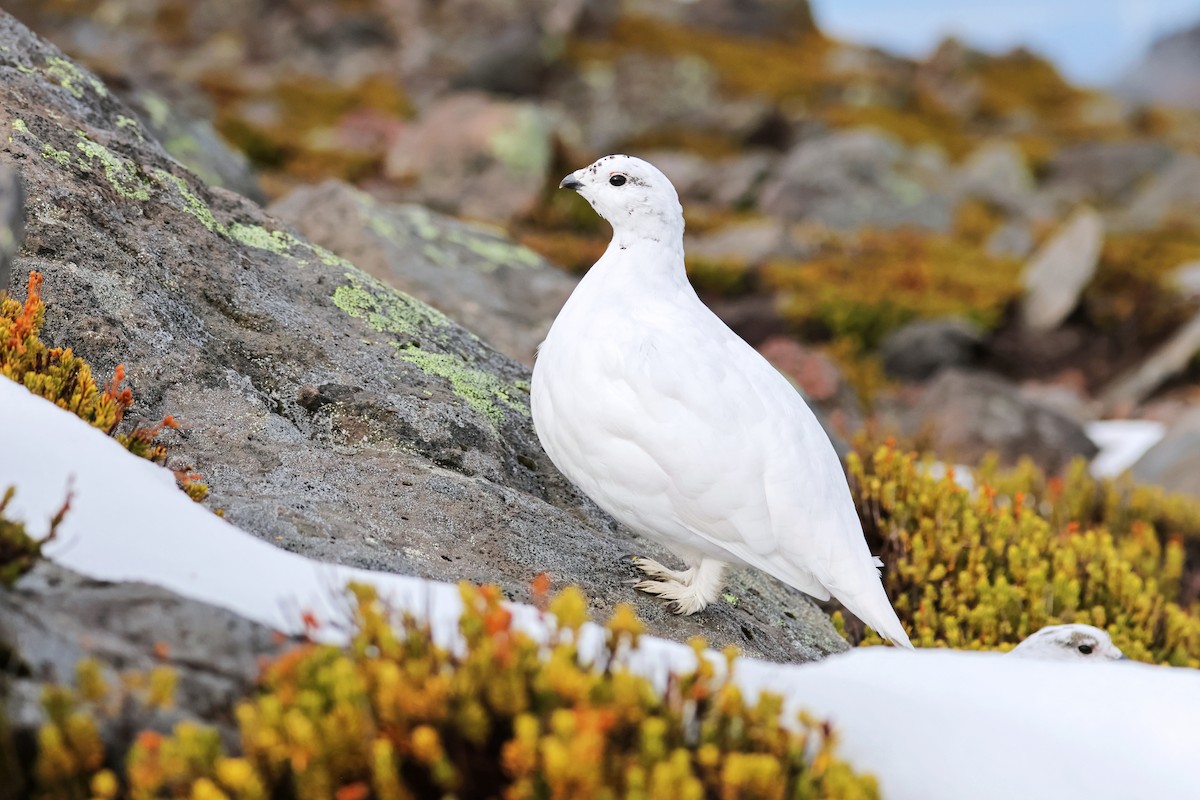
(1069, 643)
(676, 427)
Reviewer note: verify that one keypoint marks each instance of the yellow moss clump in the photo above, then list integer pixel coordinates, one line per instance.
(744, 65)
(66, 380)
(984, 570)
(863, 286)
(394, 716)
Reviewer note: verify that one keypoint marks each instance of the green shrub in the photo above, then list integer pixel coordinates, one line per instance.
(395, 716)
(983, 570)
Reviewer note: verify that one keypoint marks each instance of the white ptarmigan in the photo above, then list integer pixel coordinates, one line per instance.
(676, 427)
(1069, 643)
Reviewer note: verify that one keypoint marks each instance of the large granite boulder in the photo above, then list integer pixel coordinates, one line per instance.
(330, 413)
(505, 293)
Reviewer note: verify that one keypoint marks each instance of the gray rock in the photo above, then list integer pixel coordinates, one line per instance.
(1174, 463)
(1168, 72)
(53, 619)
(851, 179)
(971, 414)
(330, 414)
(996, 172)
(505, 293)
(12, 220)
(1013, 239)
(1060, 270)
(917, 351)
(1170, 359)
(1173, 193)
(749, 242)
(193, 141)
(613, 103)
(1106, 173)
(475, 155)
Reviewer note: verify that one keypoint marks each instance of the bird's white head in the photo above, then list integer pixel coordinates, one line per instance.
(1069, 643)
(634, 196)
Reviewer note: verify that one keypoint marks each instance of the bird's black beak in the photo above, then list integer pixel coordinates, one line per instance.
(570, 182)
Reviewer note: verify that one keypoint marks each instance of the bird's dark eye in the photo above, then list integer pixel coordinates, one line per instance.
(1086, 649)
(617, 180)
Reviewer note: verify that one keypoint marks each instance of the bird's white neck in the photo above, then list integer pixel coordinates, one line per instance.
(646, 266)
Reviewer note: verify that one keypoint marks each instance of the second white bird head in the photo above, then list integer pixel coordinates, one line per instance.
(1069, 643)
(632, 195)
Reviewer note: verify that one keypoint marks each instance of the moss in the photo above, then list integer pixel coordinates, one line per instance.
(984, 570)
(393, 715)
(744, 65)
(292, 125)
(863, 286)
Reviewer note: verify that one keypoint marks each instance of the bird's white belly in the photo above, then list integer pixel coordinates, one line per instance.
(592, 416)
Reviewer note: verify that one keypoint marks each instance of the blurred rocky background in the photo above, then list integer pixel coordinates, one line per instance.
(966, 249)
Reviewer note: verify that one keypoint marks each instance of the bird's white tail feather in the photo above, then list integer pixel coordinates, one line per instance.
(875, 610)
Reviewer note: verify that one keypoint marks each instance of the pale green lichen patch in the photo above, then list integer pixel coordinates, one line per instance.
(391, 311)
(19, 126)
(278, 242)
(191, 203)
(123, 179)
(72, 78)
(156, 107)
(283, 243)
(388, 310)
(482, 391)
(61, 156)
(492, 250)
(130, 123)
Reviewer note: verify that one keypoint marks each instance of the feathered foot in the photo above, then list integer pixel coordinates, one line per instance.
(688, 591)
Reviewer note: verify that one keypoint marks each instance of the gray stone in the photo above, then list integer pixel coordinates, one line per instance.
(749, 242)
(474, 155)
(971, 414)
(1170, 359)
(53, 619)
(1173, 193)
(1013, 239)
(12, 220)
(193, 141)
(996, 172)
(1060, 270)
(1168, 72)
(330, 414)
(505, 293)
(1174, 463)
(851, 179)
(1103, 172)
(918, 350)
